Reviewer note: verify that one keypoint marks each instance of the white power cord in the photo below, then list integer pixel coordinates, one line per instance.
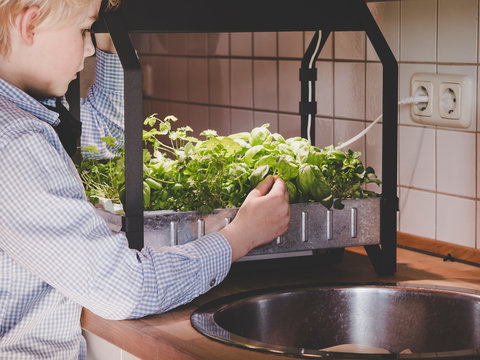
(409, 100)
(414, 100)
(310, 66)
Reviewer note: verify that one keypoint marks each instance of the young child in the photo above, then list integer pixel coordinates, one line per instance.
(56, 254)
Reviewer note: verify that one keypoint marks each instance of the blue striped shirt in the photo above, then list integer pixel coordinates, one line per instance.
(56, 254)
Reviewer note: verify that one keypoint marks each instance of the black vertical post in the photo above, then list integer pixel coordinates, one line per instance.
(308, 76)
(385, 259)
(133, 220)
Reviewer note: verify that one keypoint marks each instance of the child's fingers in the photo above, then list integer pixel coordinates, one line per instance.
(278, 188)
(263, 186)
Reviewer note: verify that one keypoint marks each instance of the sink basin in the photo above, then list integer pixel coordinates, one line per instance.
(360, 321)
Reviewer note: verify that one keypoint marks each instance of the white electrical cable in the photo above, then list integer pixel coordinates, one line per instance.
(310, 66)
(359, 135)
(409, 100)
(414, 100)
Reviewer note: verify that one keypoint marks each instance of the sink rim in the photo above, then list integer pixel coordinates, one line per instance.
(202, 320)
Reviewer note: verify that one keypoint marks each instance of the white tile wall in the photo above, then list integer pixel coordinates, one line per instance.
(417, 157)
(456, 163)
(198, 117)
(241, 44)
(198, 80)
(158, 43)
(265, 44)
(181, 112)
(261, 117)
(241, 82)
(248, 79)
(289, 125)
(177, 44)
(161, 108)
(177, 78)
(323, 132)
(241, 120)
(290, 44)
(350, 45)
(324, 88)
(220, 120)
(349, 90)
(219, 81)
(160, 84)
(346, 129)
(456, 220)
(417, 212)
(387, 16)
(197, 44)
(288, 86)
(418, 27)
(457, 31)
(265, 84)
(218, 44)
(374, 87)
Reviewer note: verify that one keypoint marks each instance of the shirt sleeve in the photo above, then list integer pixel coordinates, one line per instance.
(49, 228)
(102, 111)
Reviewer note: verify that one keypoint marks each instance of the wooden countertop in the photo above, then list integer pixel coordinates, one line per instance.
(171, 336)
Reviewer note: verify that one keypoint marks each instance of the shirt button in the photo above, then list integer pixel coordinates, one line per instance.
(212, 282)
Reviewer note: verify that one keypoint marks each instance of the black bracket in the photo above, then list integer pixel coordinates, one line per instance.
(308, 76)
(133, 220)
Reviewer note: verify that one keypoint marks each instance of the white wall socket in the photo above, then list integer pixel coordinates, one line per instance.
(449, 99)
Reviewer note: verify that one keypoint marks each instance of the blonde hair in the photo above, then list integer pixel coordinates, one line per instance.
(52, 12)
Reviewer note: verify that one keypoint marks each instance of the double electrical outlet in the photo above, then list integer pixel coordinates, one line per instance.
(446, 100)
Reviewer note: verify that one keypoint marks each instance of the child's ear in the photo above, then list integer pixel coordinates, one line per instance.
(27, 23)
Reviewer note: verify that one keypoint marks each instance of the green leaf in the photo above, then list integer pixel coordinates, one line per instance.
(151, 120)
(260, 135)
(245, 136)
(286, 167)
(258, 175)
(337, 204)
(91, 149)
(292, 192)
(110, 141)
(231, 146)
(251, 153)
(209, 133)
(279, 138)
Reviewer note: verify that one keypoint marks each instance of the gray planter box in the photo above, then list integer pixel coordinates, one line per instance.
(312, 227)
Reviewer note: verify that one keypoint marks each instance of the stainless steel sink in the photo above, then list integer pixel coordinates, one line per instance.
(360, 321)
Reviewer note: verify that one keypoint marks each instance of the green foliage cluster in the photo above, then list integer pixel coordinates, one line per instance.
(219, 171)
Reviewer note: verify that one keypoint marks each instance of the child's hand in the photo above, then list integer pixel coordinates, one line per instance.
(263, 216)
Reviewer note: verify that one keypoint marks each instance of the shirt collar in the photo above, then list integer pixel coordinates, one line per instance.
(29, 103)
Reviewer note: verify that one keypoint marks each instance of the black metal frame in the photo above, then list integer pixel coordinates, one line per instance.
(253, 16)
